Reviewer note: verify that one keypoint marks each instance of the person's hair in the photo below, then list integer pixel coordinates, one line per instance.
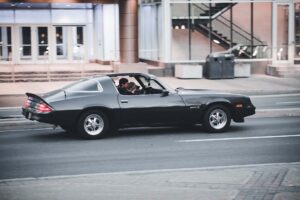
(131, 86)
(123, 81)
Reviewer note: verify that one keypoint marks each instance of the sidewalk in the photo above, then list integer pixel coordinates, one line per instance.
(13, 94)
(256, 182)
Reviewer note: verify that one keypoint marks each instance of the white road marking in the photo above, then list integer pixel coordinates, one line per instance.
(237, 138)
(10, 108)
(277, 109)
(23, 130)
(288, 102)
(147, 172)
(14, 121)
(275, 95)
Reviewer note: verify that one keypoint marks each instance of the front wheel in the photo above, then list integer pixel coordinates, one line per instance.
(93, 124)
(217, 119)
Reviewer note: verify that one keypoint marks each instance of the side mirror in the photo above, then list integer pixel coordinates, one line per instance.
(165, 93)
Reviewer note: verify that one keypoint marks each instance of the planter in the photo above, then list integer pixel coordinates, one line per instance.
(242, 70)
(188, 71)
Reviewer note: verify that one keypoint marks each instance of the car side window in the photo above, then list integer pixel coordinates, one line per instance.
(89, 85)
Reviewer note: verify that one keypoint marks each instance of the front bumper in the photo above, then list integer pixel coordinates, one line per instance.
(240, 113)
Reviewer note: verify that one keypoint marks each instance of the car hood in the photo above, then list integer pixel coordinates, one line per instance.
(205, 92)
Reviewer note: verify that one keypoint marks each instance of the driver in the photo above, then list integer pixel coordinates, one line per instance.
(123, 85)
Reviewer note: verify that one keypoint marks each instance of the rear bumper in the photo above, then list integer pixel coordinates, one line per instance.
(41, 117)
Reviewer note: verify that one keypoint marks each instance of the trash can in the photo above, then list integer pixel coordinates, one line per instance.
(219, 66)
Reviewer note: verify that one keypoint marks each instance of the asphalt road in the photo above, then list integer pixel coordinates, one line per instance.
(30, 151)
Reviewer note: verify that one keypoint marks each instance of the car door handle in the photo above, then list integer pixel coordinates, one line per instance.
(124, 101)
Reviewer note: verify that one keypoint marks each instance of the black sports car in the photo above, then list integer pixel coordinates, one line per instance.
(93, 107)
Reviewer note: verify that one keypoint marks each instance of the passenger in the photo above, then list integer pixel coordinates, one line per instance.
(133, 88)
(122, 87)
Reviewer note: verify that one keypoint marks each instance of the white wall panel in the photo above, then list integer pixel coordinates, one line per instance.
(6, 16)
(69, 17)
(89, 41)
(30, 17)
(111, 32)
(98, 32)
(148, 34)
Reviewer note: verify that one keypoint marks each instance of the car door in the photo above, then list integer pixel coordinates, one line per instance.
(147, 109)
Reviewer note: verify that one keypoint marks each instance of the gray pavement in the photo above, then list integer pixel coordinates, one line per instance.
(253, 182)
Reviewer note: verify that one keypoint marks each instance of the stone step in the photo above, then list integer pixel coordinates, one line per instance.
(42, 76)
(284, 71)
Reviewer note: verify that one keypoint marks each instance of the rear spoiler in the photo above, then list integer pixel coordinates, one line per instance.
(36, 98)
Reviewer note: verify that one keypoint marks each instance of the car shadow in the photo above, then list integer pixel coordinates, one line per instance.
(151, 131)
(61, 135)
(55, 135)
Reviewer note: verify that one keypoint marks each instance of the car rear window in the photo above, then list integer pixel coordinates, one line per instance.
(87, 85)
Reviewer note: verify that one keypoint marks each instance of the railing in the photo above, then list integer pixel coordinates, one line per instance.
(223, 26)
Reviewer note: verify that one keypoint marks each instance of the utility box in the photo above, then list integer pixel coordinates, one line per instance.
(219, 66)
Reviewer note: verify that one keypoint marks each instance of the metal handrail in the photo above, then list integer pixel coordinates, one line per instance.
(238, 27)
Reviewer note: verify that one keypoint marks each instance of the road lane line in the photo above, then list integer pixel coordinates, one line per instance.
(288, 102)
(237, 138)
(170, 170)
(277, 109)
(275, 95)
(10, 108)
(17, 121)
(23, 130)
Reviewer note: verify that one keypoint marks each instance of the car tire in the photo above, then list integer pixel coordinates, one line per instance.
(217, 119)
(93, 124)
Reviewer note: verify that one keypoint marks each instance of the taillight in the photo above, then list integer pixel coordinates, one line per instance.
(43, 108)
(26, 103)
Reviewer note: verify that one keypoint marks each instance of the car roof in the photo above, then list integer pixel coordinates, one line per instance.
(148, 76)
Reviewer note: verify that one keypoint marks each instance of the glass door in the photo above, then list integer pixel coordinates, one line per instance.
(5, 44)
(282, 33)
(77, 43)
(42, 43)
(33, 44)
(25, 43)
(61, 40)
(297, 31)
(70, 43)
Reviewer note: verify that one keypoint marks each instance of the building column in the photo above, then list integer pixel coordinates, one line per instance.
(128, 31)
(166, 31)
(291, 35)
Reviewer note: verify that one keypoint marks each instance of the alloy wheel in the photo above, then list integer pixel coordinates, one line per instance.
(218, 119)
(93, 124)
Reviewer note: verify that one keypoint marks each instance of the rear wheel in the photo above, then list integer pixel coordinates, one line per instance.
(217, 119)
(93, 124)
